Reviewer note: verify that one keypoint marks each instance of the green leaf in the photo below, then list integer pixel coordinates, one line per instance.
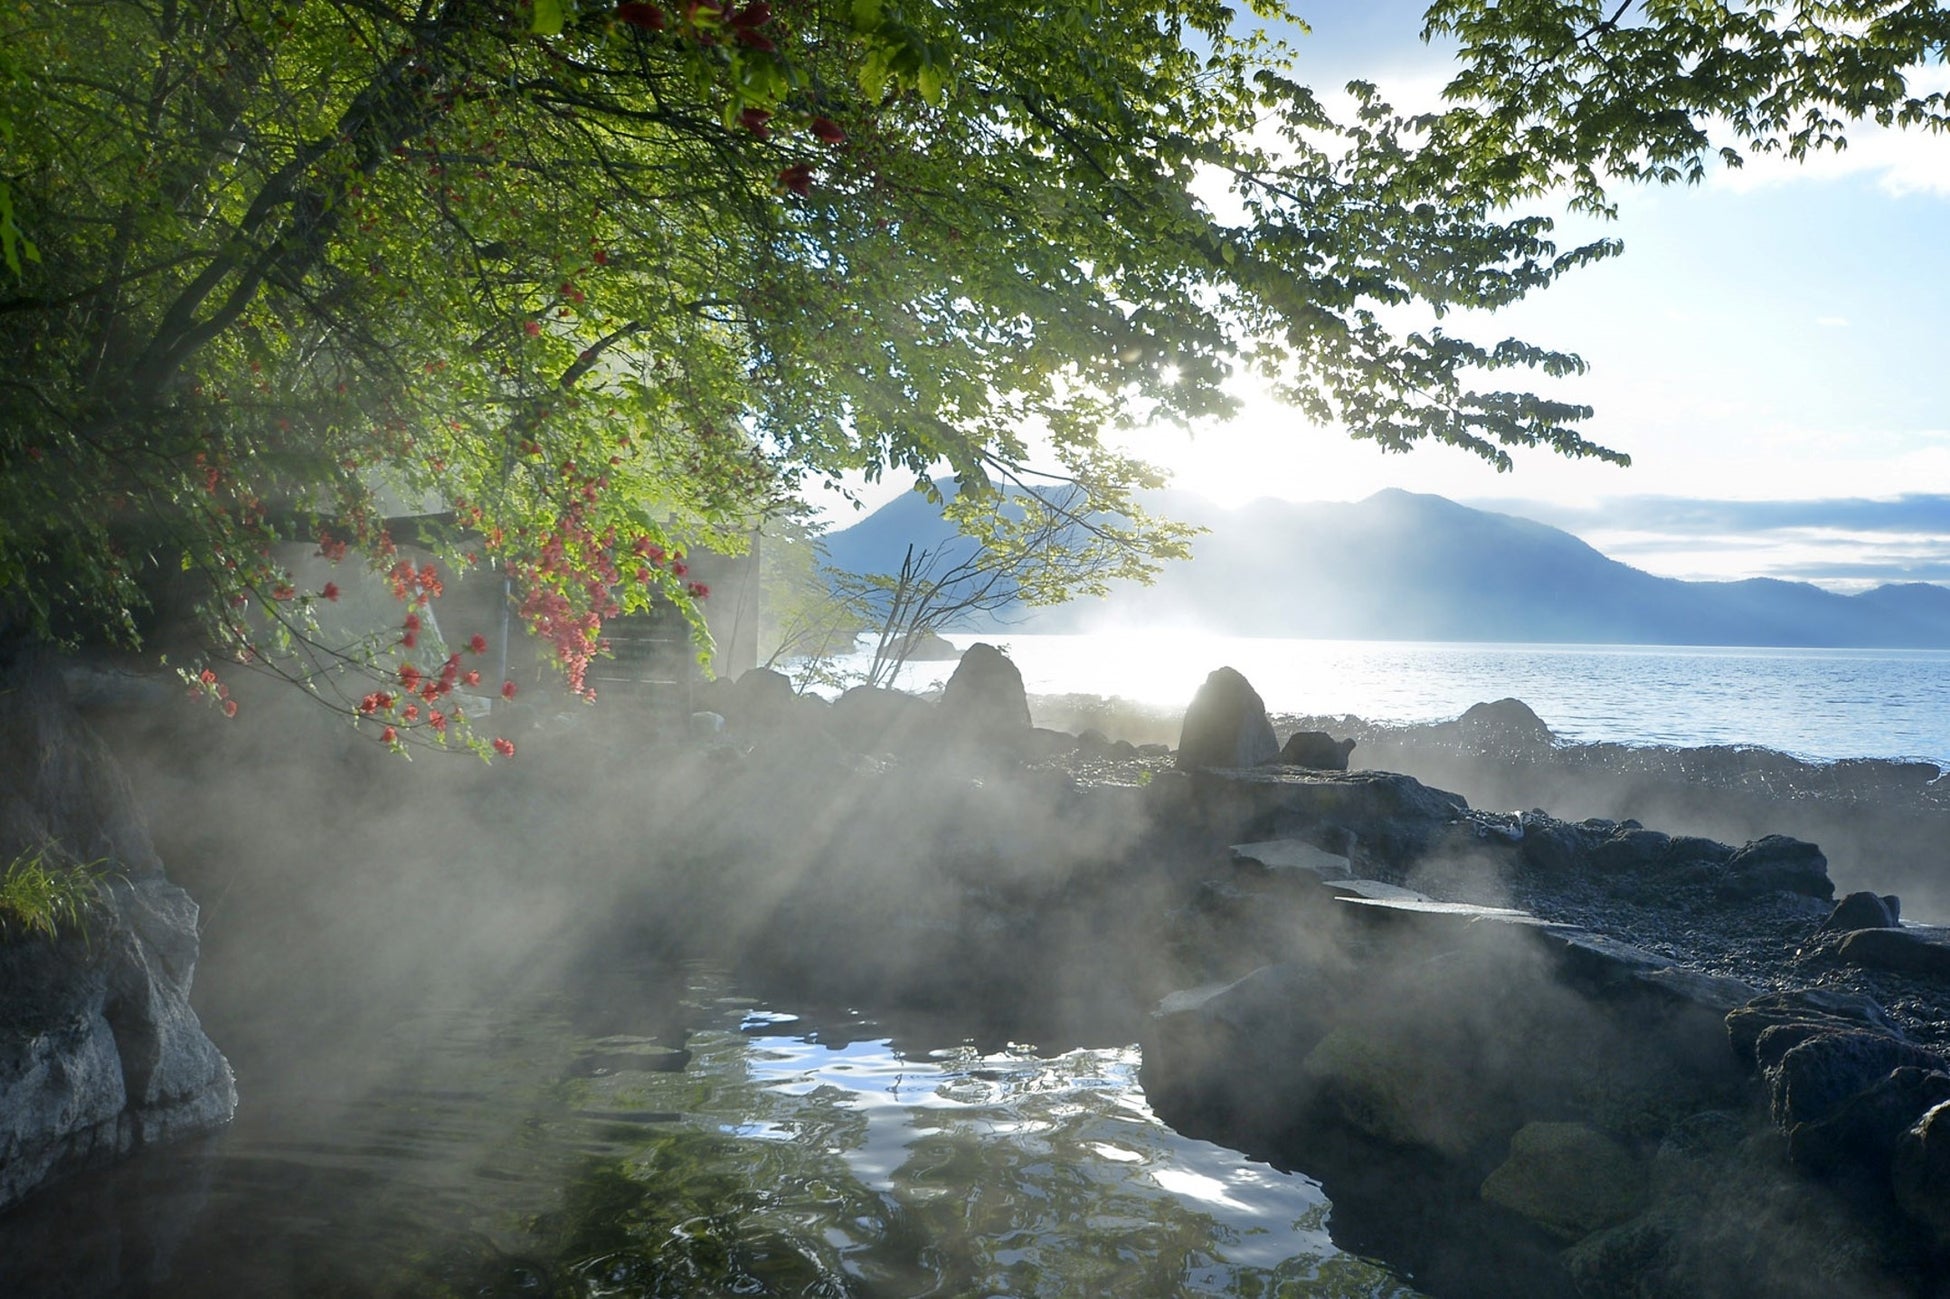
(548, 17)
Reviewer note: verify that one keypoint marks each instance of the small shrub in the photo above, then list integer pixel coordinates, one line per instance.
(41, 896)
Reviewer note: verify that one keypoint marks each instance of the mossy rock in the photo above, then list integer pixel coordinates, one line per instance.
(1396, 1090)
(1568, 1178)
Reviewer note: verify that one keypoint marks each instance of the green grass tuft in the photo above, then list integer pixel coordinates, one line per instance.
(40, 896)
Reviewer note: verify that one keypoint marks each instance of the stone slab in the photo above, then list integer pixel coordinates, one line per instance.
(1296, 855)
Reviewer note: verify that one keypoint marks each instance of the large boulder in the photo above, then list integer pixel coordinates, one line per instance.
(873, 719)
(1316, 749)
(100, 1051)
(1567, 1178)
(1226, 725)
(984, 699)
(1777, 864)
(1898, 951)
(1921, 1171)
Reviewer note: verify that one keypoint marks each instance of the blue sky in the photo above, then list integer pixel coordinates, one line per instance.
(1773, 350)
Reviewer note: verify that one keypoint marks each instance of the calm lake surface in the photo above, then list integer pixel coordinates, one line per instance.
(1815, 703)
(705, 1144)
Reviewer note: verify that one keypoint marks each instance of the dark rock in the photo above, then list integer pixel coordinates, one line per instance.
(1631, 850)
(761, 699)
(871, 719)
(928, 647)
(1899, 951)
(1861, 1135)
(1894, 906)
(1316, 749)
(1816, 1077)
(984, 699)
(1817, 1007)
(1920, 1171)
(1555, 846)
(1093, 743)
(1226, 725)
(1504, 726)
(100, 1051)
(1568, 1179)
(1858, 911)
(1777, 863)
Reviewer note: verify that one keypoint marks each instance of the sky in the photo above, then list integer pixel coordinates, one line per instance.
(1772, 350)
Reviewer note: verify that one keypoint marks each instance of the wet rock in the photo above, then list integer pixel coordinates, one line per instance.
(1858, 911)
(1630, 850)
(1899, 951)
(1554, 846)
(1860, 1137)
(1316, 750)
(1777, 863)
(1293, 857)
(1815, 1077)
(1920, 1171)
(1226, 725)
(1568, 1178)
(984, 699)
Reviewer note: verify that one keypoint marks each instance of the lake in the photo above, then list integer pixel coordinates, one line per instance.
(1814, 703)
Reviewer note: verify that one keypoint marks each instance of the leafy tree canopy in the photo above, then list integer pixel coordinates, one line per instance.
(1579, 92)
(606, 281)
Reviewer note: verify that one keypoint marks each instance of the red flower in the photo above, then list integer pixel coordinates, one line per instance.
(827, 131)
(471, 679)
(331, 591)
(508, 689)
(477, 643)
(798, 178)
(437, 719)
(410, 639)
(698, 590)
(207, 677)
(532, 328)
(754, 120)
(601, 255)
(409, 676)
(678, 568)
(283, 591)
(506, 748)
(412, 622)
(390, 735)
(230, 708)
(411, 713)
(648, 17)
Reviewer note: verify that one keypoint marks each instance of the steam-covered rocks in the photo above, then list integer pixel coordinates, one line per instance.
(100, 1052)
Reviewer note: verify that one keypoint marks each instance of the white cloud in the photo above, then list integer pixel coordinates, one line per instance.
(1900, 162)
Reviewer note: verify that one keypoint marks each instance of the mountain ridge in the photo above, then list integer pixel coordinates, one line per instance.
(1410, 566)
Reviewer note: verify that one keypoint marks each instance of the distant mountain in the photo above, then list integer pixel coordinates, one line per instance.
(1405, 566)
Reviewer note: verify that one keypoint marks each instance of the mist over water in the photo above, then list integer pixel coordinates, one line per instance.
(1813, 703)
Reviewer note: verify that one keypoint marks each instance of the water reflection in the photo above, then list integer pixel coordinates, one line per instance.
(761, 1154)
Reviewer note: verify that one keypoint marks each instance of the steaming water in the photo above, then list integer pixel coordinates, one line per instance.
(772, 1154)
(1823, 704)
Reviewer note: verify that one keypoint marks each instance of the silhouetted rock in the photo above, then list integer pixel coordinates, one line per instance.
(1316, 749)
(761, 699)
(1503, 726)
(1226, 725)
(1858, 911)
(872, 719)
(928, 647)
(1777, 863)
(1899, 951)
(984, 698)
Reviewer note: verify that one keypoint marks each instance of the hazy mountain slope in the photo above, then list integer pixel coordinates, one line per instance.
(1404, 566)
